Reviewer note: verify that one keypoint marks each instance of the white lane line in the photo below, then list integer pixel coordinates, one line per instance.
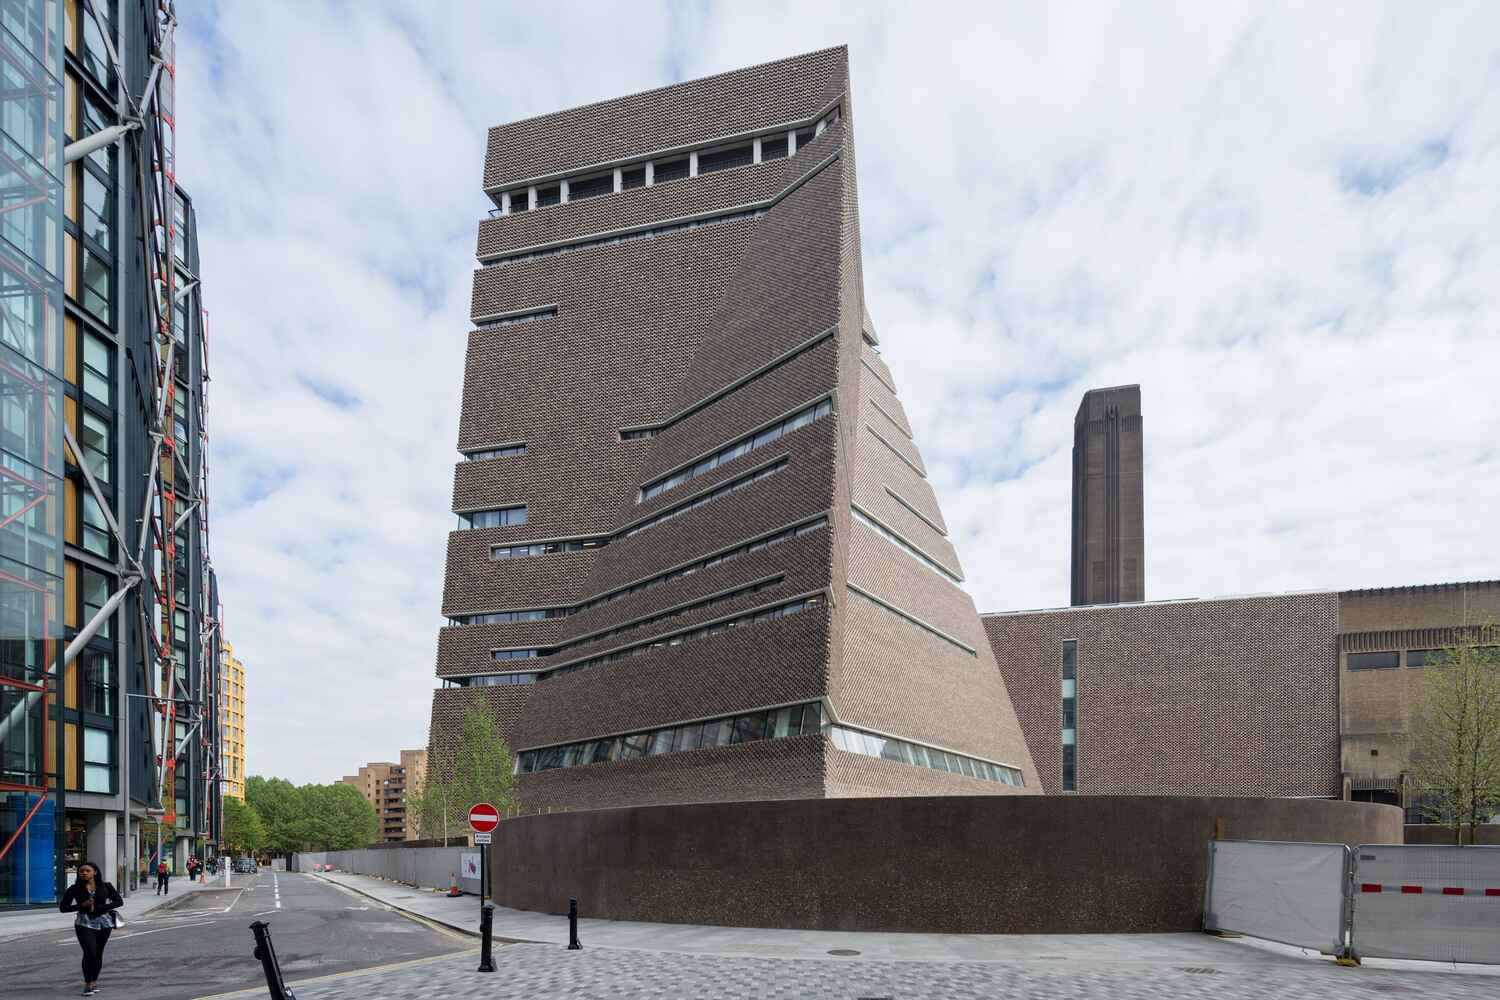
(276, 888)
(135, 934)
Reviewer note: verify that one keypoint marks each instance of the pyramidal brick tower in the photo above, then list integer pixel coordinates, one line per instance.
(698, 556)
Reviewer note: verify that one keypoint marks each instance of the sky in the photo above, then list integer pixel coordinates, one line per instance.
(1282, 220)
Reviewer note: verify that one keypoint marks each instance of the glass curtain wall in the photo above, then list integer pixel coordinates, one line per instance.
(32, 269)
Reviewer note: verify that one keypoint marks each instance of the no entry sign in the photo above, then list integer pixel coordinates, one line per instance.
(483, 817)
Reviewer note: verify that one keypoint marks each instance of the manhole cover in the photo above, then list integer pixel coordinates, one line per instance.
(1199, 970)
(843, 952)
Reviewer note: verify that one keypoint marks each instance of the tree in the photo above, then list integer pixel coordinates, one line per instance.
(334, 818)
(275, 800)
(482, 771)
(244, 831)
(1455, 760)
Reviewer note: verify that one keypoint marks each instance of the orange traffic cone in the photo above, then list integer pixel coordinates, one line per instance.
(453, 884)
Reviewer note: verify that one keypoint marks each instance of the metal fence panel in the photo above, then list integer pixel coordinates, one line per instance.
(1291, 893)
(1427, 902)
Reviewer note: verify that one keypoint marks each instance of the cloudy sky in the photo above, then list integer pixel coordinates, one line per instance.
(1282, 220)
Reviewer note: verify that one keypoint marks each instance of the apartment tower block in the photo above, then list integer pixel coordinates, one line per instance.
(698, 557)
(1109, 509)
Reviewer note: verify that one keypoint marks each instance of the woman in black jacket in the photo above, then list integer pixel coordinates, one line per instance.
(95, 901)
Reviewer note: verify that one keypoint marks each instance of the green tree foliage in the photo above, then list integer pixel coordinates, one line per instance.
(276, 800)
(483, 771)
(244, 831)
(1455, 759)
(311, 817)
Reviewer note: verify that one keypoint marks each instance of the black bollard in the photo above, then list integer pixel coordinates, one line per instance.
(278, 989)
(486, 928)
(573, 942)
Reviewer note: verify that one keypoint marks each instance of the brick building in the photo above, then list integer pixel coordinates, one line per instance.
(698, 556)
(1386, 636)
(1109, 508)
(384, 785)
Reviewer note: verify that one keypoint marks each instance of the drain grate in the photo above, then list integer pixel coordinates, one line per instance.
(843, 952)
(1198, 970)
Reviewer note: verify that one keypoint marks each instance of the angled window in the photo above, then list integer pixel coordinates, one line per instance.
(501, 517)
(670, 170)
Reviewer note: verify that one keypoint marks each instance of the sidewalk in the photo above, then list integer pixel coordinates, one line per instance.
(462, 914)
(142, 901)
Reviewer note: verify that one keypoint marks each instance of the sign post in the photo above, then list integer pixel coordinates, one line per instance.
(483, 818)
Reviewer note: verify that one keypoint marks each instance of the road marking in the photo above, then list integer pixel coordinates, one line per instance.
(260, 991)
(276, 888)
(127, 935)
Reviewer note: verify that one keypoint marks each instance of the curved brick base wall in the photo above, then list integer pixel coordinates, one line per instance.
(960, 864)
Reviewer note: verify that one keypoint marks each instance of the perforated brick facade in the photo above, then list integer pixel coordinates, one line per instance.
(1234, 696)
(704, 310)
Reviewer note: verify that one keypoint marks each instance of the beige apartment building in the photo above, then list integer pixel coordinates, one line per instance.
(232, 722)
(384, 785)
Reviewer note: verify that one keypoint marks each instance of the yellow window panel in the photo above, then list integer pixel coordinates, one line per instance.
(70, 684)
(70, 755)
(70, 349)
(70, 507)
(70, 593)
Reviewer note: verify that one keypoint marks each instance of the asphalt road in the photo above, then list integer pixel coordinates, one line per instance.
(203, 945)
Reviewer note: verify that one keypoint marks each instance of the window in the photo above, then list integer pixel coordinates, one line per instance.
(503, 517)
(717, 492)
(506, 451)
(640, 434)
(548, 195)
(519, 201)
(1069, 715)
(95, 55)
(633, 178)
(773, 148)
(98, 208)
(515, 320)
(98, 683)
(497, 617)
(98, 775)
(591, 187)
(513, 654)
(179, 229)
(96, 284)
(726, 159)
(1374, 661)
(94, 440)
(544, 548)
(1421, 657)
(180, 420)
(904, 752)
(96, 536)
(804, 136)
(742, 447)
(97, 368)
(670, 170)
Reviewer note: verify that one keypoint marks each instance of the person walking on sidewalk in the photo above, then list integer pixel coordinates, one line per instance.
(162, 874)
(95, 901)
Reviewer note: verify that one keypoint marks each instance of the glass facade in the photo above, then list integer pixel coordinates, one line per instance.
(920, 755)
(32, 269)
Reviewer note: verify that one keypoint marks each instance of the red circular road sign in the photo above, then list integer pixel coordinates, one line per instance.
(484, 817)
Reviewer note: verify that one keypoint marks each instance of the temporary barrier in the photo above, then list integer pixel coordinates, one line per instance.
(1427, 902)
(1292, 893)
(428, 867)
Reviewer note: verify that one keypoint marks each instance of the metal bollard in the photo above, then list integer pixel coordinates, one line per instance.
(573, 942)
(278, 989)
(486, 927)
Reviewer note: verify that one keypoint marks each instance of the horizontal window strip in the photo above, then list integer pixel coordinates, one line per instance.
(915, 513)
(743, 446)
(523, 550)
(723, 597)
(921, 755)
(718, 492)
(905, 546)
(489, 680)
(629, 236)
(896, 451)
(784, 722)
(504, 617)
(900, 613)
(792, 607)
(515, 654)
(499, 320)
(499, 517)
(511, 450)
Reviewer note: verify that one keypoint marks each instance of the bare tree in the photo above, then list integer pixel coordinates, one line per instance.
(1455, 759)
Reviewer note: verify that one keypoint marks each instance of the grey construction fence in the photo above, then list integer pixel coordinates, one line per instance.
(1377, 900)
(428, 867)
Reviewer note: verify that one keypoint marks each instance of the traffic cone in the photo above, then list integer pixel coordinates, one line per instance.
(453, 884)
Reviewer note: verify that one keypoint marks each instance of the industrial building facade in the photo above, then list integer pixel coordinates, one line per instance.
(108, 732)
(698, 556)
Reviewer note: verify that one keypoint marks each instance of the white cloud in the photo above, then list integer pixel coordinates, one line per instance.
(1280, 221)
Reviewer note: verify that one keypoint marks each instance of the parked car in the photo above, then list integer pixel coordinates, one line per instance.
(246, 866)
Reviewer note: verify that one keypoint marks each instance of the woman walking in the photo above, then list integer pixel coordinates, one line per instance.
(95, 902)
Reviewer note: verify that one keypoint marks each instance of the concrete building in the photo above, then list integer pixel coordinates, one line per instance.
(1109, 513)
(697, 555)
(107, 612)
(384, 785)
(232, 722)
(1386, 636)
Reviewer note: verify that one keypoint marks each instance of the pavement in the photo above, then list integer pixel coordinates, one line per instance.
(138, 904)
(199, 943)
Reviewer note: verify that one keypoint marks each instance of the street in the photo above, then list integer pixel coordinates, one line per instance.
(203, 945)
